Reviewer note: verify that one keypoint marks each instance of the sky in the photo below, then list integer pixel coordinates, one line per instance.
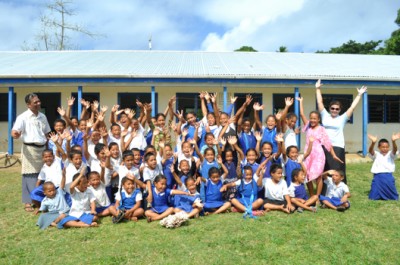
(206, 25)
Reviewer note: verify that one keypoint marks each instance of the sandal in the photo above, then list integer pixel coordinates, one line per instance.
(29, 208)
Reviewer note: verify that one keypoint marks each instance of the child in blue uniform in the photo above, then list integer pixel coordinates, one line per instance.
(298, 194)
(292, 161)
(214, 204)
(337, 193)
(190, 204)
(383, 186)
(247, 190)
(160, 207)
(129, 199)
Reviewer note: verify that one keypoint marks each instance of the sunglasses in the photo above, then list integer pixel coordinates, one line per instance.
(337, 109)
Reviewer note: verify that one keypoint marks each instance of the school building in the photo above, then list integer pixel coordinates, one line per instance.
(121, 77)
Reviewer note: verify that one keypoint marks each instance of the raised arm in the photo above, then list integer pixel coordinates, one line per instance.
(395, 137)
(257, 123)
(288, 103)
(360, 91)
(373, 141)
(320, 102)
(302, 115)
(77, 180)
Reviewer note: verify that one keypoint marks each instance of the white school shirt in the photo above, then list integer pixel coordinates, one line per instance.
(33, 128)
(100, 194)
(151, 174)
(123, 171)
(58, 204)
(382, 163)
(95, 166)
(112, 139)
(334, 127)
(138, 141)
(52, 173)
(138, 197)
(335, 191)
(274, 191)
(216, 128)
(181, 157)
(81, 202)
(70, 171)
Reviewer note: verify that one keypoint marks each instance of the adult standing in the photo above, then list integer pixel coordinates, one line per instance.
(334, 125)
(33, 128)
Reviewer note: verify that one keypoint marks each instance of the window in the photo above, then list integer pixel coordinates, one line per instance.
(278, 102)
(50, 103)
(4, 106)
(384, 108)
(249, 113)
(189, 102)
(345, 100)
(128, 100)
(86, 96)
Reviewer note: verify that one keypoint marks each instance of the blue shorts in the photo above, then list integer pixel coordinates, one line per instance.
(87, 218)
(335, 201)
(102, 208)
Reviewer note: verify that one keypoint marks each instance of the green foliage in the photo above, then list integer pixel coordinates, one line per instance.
(246, 49)
(282, 49)
(368, 233)
(353, 47)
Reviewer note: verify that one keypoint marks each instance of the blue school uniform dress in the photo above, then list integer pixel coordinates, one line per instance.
(231, 167)
(254, 166)
(127, 203)
(205, 167)
(247, 190)
(269, 136)
(185, 202)
(160, 201)
(213, 195)
(300, 192)
(289, 167)
(168, 174)
(247, 141)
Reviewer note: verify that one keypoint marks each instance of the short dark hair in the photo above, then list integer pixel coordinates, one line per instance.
(29, 97)
(98, 147)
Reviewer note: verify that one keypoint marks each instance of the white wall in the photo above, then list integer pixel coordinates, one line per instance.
(109, 96)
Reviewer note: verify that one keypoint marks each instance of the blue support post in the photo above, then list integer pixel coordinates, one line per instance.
(10, 119)
(79, 101)
(225, 97)
(153, 101)
(365, 123)
(297, 112)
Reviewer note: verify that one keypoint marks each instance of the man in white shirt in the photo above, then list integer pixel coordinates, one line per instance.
(33, 128)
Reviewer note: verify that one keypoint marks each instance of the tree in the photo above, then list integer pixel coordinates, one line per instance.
(55, 30)
(392, 45)
(282, 49)
(246, 49)
(353, 47)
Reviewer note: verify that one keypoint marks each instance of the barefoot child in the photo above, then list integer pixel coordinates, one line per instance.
(383, 186)
(83, 209)
(298, 194)
(129, 200)
(276, 191)
(337, 192)
(54, 207)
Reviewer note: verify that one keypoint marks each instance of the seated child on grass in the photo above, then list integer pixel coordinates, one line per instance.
(54, 207)
(337, 193)
(298, 194)
(83, 209)
(129, 200)
(191, 205)
(214, 204)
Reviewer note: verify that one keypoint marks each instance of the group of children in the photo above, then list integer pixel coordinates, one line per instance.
(152, 167)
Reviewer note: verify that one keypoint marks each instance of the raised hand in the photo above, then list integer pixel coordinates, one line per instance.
(213, 97)
(70, 101)
(373, 138)
(103, 131)
(131, 114)
(299, 99)
(249, 99)
(232, 140)
(127, 111)
(104, 108)
(139, 104)
(99, 117)
(184, 133)
(192, 141)
(206, 96)
(179, 114)
(279, 137)
(89, 123)
(233, 99)
(395, 136)
(114, 108)
(161, 144)
(219, 159)
(222, 141)
(95, 105)
(61, 111)
(288, 101)
(201, 95)
(258, 136)
(107, 152)
(215, 141)
(278, 116)
(361, 90)
(318, 84)
(53, 136)
(257, 106)
(65, 134)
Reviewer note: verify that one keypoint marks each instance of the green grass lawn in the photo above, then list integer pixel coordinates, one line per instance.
(368, 233)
